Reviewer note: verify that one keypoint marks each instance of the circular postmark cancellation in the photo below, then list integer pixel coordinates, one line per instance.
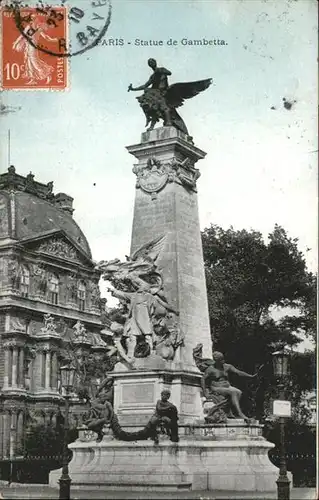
(85, 24)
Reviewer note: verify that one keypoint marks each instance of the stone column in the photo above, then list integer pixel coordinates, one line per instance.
(37, 378)
(6, 367)
(54, 378)
(42, 369)
(14, 366)
(13, 434)
(21, 368)
(166, 220)
(166, 205)
(28, 381)
(20, 431)
(10, 350)
(6, 434)
(47, 369)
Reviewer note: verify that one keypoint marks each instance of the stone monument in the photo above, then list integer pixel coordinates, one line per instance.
(165, 230)
(165, 270)
(161, 332)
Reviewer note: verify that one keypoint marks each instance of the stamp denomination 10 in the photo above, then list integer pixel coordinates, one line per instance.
(88, 22)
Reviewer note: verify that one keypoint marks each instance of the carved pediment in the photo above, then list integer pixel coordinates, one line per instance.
(60, 247)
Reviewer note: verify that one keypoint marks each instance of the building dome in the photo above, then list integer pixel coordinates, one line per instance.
(29, 209)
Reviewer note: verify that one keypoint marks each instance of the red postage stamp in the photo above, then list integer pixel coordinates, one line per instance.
(26, 61)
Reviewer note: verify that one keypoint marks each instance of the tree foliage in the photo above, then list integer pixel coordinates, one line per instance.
(43, 451)
(44, 441)
(91, 366)
(300, 444)
(250, 284)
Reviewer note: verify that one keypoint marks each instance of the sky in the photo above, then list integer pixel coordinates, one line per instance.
(261, 163)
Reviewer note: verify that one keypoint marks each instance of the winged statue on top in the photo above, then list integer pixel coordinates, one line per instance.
(160, 100)
(148, 318)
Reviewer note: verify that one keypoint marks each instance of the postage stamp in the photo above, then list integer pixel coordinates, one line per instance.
(23, 64)
(88, 22)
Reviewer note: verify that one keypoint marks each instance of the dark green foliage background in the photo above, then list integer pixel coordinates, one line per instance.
(247, 279)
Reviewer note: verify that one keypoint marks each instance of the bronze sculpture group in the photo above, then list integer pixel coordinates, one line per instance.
(217, 388)
(160, 100)
(146, 323)
(164, 420)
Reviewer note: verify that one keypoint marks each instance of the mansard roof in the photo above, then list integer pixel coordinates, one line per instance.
(30, 209)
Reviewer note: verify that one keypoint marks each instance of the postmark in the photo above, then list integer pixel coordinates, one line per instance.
(88, 21)
(23, 65)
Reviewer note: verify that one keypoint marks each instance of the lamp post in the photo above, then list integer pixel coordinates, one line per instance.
(67, 382)
(280, 363)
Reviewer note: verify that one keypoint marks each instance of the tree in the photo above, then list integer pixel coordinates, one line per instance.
(91, 367)
(43, 450)
(92, 364)
(300, 450)
(247, 279)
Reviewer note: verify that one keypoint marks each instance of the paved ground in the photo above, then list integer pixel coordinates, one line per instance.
(45, 492)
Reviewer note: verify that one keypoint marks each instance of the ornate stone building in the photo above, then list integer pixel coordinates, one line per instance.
(49, 291)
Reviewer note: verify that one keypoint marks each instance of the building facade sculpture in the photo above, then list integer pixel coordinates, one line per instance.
(41, 250)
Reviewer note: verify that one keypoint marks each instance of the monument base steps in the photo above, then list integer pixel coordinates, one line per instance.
(220, 457)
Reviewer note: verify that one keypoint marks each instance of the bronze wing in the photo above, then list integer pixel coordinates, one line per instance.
(178, 92)
(150, 250)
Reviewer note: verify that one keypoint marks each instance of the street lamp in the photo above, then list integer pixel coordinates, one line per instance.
(281, 371)
(67, 382)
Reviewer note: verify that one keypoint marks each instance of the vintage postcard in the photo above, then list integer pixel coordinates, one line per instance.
(158, 246)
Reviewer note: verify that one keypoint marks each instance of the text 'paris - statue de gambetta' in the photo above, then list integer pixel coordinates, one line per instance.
(160, 100)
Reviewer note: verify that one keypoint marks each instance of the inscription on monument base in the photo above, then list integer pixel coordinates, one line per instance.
(135, 398)
(135, 395)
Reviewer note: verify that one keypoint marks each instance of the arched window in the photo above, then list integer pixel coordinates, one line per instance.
(24, 281)
(54, 290)
(81, 296)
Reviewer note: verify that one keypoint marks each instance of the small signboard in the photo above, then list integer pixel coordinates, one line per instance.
(282, 408)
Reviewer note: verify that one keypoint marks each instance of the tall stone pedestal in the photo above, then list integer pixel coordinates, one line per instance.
(166, 207)
(221, 457)
(217, 457)
(166, 204)
(136, 393)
